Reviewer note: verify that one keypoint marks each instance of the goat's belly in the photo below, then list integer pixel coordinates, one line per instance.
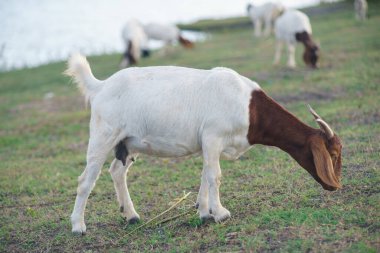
(161, 147)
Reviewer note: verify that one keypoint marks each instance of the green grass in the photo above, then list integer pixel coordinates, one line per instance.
(275, 204)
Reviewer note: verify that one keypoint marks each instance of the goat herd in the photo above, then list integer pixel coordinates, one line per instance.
(169, 111)
(290, 26)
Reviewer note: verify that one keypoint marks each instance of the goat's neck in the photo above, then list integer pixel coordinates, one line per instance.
(271, 124)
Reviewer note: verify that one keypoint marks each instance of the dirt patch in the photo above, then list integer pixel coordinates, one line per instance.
(305, 96)
(80, 146)
(361, 118)
(51, 105)
(164, 162)
(279, 73)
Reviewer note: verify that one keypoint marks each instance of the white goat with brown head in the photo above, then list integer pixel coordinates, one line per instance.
(175, 111)
(294, 26)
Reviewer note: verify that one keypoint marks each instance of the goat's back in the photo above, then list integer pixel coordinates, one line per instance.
(175, 102)
(290, 23)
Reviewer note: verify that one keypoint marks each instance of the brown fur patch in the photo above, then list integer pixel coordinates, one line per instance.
(311, 53)
(185, 42)
(272, 125)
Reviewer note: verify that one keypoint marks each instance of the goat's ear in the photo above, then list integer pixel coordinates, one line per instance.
(323, 164)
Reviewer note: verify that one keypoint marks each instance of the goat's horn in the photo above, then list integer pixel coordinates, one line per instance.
(316, 116)
(326, 128)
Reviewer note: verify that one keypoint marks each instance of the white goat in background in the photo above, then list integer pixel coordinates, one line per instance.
(267, 14)
(136, 43)
(167, 33)
(174, 111)
(136, 36)
(291, 27)
(361, 8)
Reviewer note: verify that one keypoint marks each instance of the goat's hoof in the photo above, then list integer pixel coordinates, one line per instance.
(78, 226)
(205, 218)
(79, 233)
(122, 209)
(221, 215)
(79, 230)
(291, 66)
(196, 205)
(133, 220)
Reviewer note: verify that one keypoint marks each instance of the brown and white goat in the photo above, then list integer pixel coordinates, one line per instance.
(174, 111)
(291, 27)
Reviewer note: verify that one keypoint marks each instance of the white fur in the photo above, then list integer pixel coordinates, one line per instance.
(80, 70)
(168, 112)
(286, 27)
(133, 32)
(361, 8)
(165, 32)
(267, 14)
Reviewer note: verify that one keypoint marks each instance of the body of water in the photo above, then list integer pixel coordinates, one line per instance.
(36, 32)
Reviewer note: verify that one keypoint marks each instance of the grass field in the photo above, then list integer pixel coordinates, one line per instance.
(275, 204)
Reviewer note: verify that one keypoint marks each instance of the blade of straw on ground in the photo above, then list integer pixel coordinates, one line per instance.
(159, 215)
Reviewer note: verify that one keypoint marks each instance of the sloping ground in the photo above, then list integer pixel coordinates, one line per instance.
(275, 204)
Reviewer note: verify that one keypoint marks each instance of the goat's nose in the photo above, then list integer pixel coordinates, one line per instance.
(329, 188)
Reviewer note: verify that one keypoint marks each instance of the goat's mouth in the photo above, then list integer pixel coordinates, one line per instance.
(313, 66)
(329, 188)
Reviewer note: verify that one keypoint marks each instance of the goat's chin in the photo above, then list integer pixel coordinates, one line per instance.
(312, 66)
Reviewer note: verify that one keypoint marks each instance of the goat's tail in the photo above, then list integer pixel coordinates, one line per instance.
(79, 69)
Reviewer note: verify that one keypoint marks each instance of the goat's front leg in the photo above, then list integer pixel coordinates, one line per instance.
(211, 155)
(291, 55)
(202, 200)
(119, 176)
(257, 25)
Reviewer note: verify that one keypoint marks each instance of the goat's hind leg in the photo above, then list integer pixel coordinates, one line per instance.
(257, 29)
(118, 172)
(98, 149)
(277, 56)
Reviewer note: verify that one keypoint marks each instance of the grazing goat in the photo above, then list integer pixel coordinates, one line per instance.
(294, 26)
(361, 8)
(267, 14)
(166, 33)
(171, 111)
(136, 43)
